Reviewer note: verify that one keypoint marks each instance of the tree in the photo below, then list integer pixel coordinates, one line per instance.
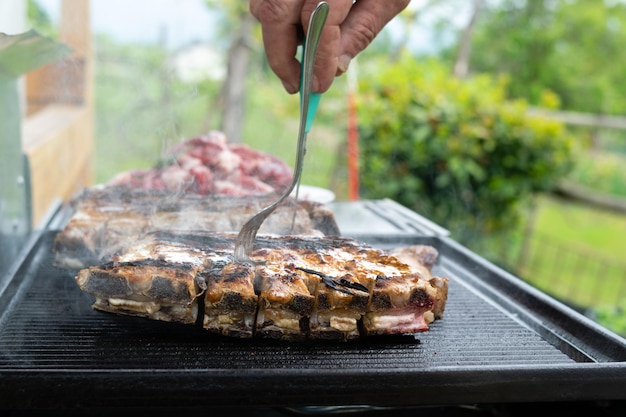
(461, 65)
(571, 47)
(237, 28)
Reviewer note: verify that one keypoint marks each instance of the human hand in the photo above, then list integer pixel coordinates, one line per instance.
(350, 28)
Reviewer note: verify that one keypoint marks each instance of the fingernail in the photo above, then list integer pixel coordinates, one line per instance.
(315, 84)
(290, 88)
(344, 63)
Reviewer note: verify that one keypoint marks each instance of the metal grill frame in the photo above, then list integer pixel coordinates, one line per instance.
(66, 355)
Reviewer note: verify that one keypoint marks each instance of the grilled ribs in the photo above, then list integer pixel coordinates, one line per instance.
(105, 219)
(296, 288)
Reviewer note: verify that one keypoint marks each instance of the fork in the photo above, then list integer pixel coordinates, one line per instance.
(308, 106)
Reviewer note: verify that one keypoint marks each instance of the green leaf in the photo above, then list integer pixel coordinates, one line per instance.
(27, 51)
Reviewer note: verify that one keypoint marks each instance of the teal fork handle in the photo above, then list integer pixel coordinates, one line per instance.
(314, 101)
(314, 98)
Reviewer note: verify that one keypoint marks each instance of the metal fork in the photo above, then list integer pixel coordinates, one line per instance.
(247, 234)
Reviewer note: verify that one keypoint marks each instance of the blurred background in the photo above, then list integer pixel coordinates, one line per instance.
(503, 121)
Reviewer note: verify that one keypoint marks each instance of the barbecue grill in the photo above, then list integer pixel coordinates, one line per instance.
(500, 343)
(501, 348)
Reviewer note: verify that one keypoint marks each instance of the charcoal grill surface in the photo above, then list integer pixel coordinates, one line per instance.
(499, 341)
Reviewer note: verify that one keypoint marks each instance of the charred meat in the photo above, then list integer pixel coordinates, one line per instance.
(105, 219)
(296, 288)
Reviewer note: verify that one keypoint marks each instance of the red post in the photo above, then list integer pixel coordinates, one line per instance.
(353, 149)
(353, 136)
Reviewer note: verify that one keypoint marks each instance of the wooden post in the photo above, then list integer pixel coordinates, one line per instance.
(57, 134)
(67, 81)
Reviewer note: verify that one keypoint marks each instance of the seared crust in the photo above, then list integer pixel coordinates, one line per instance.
(285, 303)
(148, 289)
(441, 285)
(230, 302)
(322, 218)
(421, 259)
(296, 287)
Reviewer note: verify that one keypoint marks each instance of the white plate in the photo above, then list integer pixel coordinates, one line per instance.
(312, 193)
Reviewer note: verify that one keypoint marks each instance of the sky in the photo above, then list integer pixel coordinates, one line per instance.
(143, 21)
(184, 21)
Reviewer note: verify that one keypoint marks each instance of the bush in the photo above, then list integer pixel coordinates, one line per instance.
(456, 151)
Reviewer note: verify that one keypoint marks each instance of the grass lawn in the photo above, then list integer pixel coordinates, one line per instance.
(578, 253)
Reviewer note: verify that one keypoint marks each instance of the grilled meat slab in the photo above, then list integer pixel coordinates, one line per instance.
(296, 288)
(105, 219)
(159, 281)
(230, 302)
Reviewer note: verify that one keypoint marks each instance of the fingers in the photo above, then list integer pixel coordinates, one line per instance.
(366, 19)
(280, 27)
(282, 21)
(326, 58)
(350, 27)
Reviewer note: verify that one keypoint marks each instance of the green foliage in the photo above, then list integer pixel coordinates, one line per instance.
(137, 121)
(572, 47)
(454, 150)
(39, 19)
(271, 126)
(142, 108)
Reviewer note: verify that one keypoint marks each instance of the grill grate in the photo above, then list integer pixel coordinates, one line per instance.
(54, 327)
(52, 341)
